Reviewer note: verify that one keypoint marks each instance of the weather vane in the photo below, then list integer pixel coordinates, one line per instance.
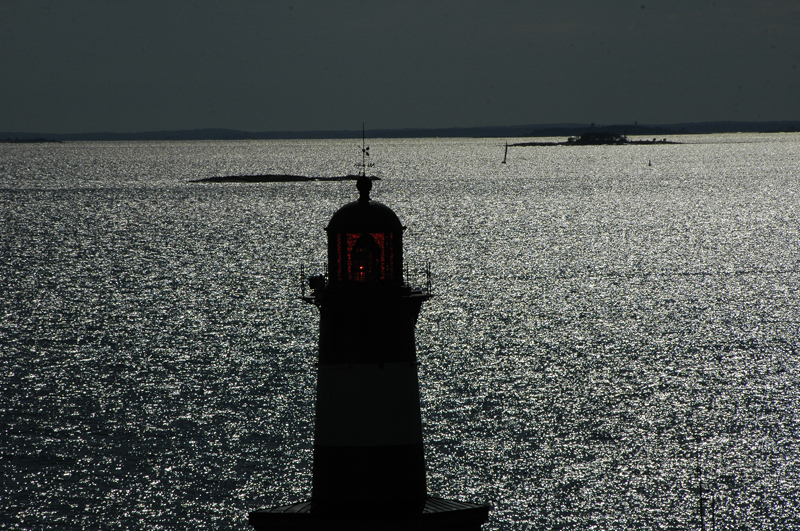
(364, 153)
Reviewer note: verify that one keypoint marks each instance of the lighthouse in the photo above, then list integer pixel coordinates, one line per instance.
(369, 459)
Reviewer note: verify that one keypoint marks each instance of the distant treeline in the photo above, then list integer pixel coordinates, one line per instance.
(28, 140)
(541, 130)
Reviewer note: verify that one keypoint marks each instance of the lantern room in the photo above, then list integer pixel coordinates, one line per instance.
(365, 242)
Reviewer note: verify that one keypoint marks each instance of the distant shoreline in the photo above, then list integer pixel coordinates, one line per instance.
(518, 131)
(35, 140)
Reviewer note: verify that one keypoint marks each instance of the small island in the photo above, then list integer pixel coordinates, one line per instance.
(273, 178)
(597, 139)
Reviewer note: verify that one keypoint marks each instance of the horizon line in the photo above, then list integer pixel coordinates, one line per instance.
(528, 130)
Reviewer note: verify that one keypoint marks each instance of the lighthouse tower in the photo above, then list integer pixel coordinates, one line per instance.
(369, 459)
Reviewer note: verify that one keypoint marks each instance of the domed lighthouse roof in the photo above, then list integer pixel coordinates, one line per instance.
(365, 242)
(364, 215)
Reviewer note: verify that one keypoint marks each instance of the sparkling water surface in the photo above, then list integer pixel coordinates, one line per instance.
(611, 326)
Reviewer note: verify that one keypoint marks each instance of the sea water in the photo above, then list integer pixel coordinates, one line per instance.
(613, 338)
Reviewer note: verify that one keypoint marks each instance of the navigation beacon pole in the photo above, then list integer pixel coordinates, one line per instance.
(369, 459)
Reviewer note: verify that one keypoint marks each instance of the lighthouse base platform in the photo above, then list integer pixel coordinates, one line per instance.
(434, 514)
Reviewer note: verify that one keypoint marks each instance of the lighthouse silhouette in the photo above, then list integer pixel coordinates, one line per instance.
(369, 458)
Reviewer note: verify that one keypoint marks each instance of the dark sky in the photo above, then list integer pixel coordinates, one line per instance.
(71, 66)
